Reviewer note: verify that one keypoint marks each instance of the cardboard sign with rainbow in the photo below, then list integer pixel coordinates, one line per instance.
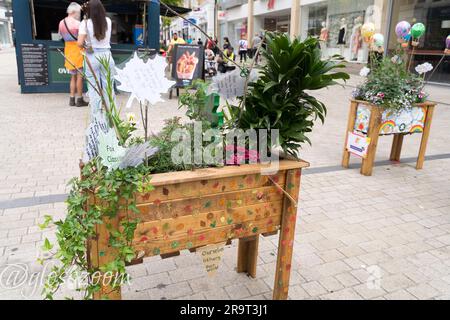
(406, 121)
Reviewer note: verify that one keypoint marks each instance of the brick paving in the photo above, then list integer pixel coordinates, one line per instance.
(380, 237)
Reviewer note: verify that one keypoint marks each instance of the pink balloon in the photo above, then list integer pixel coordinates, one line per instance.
(402, 29)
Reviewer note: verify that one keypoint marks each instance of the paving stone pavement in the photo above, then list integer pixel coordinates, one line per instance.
(380, 237)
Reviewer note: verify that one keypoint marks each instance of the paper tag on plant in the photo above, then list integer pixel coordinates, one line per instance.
(97, 125)
(146, 81)
(109, 150)
(230, 85)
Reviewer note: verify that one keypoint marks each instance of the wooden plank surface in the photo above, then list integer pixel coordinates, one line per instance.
(212, 236)
(192, 225)
(196, 206)
(201, 188)
(248, 255)
(225, 172)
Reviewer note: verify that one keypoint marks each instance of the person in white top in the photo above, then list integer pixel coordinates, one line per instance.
(95, 37)
(243, 47)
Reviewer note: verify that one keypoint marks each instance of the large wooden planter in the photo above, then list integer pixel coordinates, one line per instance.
(372, 121)
(192, 209)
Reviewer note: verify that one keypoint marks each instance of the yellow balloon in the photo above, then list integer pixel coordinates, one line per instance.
(368, 30)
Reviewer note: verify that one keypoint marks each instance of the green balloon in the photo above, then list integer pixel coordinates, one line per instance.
(417, 30)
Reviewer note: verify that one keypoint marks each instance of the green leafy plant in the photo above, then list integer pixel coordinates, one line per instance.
(79, 225)
(389, 84)
(195, 101)
(280, 98)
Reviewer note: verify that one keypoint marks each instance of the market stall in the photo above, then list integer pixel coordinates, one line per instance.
(41, 66)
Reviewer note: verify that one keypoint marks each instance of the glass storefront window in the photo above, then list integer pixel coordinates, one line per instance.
(435, 15)
(337, 23)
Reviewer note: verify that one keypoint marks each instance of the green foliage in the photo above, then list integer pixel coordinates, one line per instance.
(390, 85)
(195, 101)
(79, 225)
(280, 98)
(124, 128)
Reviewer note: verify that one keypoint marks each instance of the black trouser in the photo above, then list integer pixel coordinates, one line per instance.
(243, 55)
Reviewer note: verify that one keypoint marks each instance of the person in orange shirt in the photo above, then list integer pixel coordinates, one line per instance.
(68, 29)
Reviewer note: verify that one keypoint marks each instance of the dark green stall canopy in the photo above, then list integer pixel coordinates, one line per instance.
(118, 6)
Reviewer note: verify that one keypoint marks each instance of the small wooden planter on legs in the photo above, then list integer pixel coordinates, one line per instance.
(191, 209)
(373, 132)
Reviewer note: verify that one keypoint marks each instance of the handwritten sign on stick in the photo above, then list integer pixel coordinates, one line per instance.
(231, 84)
(97, 125)
(146, 81)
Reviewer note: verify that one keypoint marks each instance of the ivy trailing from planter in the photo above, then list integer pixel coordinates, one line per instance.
(80, 225)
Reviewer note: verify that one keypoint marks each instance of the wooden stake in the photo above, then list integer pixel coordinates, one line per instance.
(373, 134)
(286, 241)
(350, 127)
(425, 136)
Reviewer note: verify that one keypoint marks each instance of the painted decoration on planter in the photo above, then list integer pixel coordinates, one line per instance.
(146, 81)
(212, 256)
(407, 121)
(358, 144)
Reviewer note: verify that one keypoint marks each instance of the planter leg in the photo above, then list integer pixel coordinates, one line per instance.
(425, 136)
(286, 241)
(350, 127)
(396, 149)
(99, 254)
(248, 255)
(373, 133)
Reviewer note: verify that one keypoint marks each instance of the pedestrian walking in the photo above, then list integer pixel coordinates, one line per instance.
(243, 47)
(95, 37)
(256, 41)
(68, 29)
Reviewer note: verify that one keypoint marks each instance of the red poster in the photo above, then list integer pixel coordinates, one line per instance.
(271, 4)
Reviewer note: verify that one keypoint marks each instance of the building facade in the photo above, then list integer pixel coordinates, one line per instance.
(336, 22)
(5, 24)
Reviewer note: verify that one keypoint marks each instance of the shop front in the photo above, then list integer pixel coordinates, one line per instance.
(337, 23)
(135, 24)
(435, 15)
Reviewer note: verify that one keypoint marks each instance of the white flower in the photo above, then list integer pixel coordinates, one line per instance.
(424, 68)
(364, 72)
(131, 117)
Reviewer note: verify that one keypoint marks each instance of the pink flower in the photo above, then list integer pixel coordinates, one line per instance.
(380, 95)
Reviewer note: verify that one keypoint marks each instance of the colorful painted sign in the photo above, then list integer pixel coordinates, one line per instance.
(405, 121)
(358, 144)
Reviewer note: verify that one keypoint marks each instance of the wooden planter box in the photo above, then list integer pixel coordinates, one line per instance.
(372, 121)
(192, 209)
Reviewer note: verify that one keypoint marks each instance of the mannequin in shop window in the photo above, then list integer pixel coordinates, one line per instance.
(323, 39)
(356, 39)
(341, 36)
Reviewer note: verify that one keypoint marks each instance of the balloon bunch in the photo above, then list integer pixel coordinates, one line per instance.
(403, 31)
(369, 35)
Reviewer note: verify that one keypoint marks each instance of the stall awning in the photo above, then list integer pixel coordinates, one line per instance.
(166, 13)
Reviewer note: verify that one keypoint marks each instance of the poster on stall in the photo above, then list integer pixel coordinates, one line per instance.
(187, 63)
(358, 144)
